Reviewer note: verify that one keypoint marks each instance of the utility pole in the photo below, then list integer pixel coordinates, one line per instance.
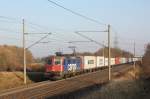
(109, 53)
(24, 48)
(24, 52)
(104, 52)
(108, 46)
(134, 61)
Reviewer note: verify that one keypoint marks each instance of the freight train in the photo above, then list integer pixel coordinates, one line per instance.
(58, 67)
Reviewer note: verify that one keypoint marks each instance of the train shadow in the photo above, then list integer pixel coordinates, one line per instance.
(36, 76)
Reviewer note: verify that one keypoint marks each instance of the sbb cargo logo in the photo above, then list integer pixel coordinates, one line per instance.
(72, 67)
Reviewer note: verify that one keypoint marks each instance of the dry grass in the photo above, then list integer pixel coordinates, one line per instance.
(129, 75)
(11, 80)
(124, 86)
(128, 86)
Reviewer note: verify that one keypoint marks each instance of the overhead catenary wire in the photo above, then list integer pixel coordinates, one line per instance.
(86, 37)
(79, 41)
(38, 26)
(33, 26)
(76, 13)
(9, 18)
(15, 20)
(14, 38)
(8, 30)
(124, 38)
(38, 41)
(8, 21)
(12, 20)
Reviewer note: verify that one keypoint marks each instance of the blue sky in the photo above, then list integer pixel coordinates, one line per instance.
(130, 18)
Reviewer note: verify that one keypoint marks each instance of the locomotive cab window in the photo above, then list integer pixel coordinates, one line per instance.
(57, 61)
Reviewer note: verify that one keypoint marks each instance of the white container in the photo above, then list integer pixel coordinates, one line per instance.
(106, 61)
(112, 61)
(89, 62)
(130, 59)
(100, 61)
(123, 60)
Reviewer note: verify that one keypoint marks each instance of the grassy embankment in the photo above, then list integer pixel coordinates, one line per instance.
(11, 80)
(125, 86)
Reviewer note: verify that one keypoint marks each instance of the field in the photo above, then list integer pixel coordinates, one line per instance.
(11, 80)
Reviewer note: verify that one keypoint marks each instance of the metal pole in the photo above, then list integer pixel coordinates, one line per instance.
(24, 53)
(134, 61)
(104, 52)
(109, 53)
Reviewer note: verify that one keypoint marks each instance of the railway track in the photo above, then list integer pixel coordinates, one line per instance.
(47, 89)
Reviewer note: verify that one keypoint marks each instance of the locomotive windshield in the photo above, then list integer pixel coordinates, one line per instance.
(57, 61)
(49, 62)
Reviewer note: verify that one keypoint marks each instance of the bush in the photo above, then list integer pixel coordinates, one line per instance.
(37, 67)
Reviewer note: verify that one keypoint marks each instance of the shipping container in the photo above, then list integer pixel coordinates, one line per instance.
(135, 59)
(112, 61)
(122, 60)
(130, 59)
(117, 60)
(100, 61)
(106, 61)
(89, 62)
(126, 59)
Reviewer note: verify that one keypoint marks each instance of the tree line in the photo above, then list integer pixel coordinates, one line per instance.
(11, 58)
